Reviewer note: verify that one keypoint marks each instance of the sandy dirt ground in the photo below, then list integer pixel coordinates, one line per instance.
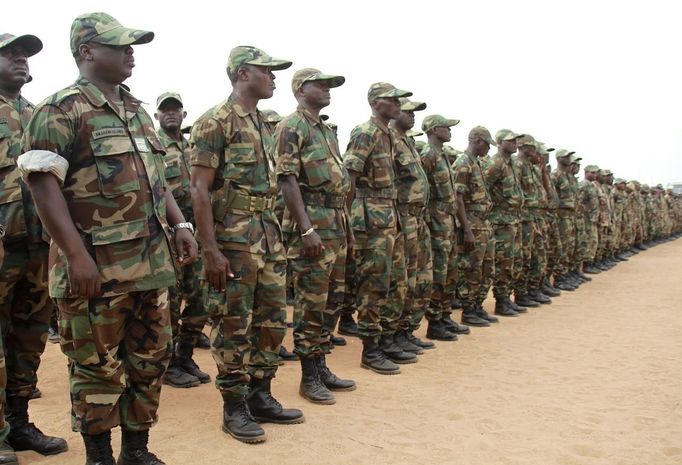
(595, 378)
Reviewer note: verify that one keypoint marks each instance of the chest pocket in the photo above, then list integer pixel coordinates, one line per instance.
(115, 167)
(316, 166)
(442, 182)
(478, 191)
(381, 171)
(406, 166)
(172, 169)
(9, 175)
(6, 147)
(241, 162)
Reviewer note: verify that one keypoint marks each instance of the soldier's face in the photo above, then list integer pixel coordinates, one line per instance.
(405, 120)
(14, 65)
(114, 63)
(388, 108)
(316, 93)
(508, 146)
(261, 81)
(443, 133)
(170, 115)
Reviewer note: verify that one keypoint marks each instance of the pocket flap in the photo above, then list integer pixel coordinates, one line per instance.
(120, 232)
(111, 146)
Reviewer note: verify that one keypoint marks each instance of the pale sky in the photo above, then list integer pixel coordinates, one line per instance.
(599, 77)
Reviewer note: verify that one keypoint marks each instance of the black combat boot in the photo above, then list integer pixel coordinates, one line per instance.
(590, 268)
(266, 409)
(9, 457)
(238, 421)
(98, 449)
(394, 352)
(337, 340)
(202, 342)
(134, 449)
(517, 308)
(561, 283)
(456, 304)
(539, 297)
(312, 387)
(24, 435)
(402, 341)
(438, 332)
(420, 342)
(452, 326)
(184, 350)
(284, 354)
(471, 317)
(504, 310)
(373, 358)
(525, 301)
(347, 325)
(333, 382)
(35, 394)
(548, 289)
(481, 313)
(177, 377)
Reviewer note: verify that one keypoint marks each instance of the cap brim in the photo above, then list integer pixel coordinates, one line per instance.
(165, 99)
(124, 36)
(413, 106)
(31, 43)
(450, 123)
(393, 93)
(274, 64)
(334, 81)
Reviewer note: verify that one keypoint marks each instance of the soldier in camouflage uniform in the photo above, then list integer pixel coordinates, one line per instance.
(95, 167)
(567, 192)
(442, 224)
(580, 230)
(538, 263)
(413, 194)
(315, 187)
(476, 254)
(234, 186)
(506, 196)
(379, 246)
(182, 371)
(25, 307)
(589, 198)
(552, 240)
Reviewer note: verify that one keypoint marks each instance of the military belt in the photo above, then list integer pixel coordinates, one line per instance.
(323, 199)
(446, 207)
(477, 213)
(251, 203)
(565, 212)
(411, 209)
(366, 192)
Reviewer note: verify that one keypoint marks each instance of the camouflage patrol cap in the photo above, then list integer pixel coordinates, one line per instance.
(562, 153)
(575, 160)
(605, 172)
(480, 132)
(411, 133)
(311, 74)
(435, 121)
(102, 28)
(385, 90)
(526, 139)
(544, 146)
(506, 134)
(168, 96)
(271, 116)
(542, 150)
(591, 168)
(248, 55)
(29, 42)
(408, 105)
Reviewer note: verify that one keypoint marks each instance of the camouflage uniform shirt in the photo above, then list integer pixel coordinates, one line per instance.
(469, 182)
(505, 190)
(114, 186)
(177, 171)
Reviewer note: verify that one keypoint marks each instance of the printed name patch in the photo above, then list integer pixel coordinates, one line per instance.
(108, 132)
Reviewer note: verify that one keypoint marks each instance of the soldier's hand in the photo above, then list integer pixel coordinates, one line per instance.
(312, 245)
(217, 268)
(350, 241)
(84, 280)
(2, 252)
(186, 246)
(469, 240)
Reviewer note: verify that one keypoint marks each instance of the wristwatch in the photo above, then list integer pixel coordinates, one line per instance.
(183, 226)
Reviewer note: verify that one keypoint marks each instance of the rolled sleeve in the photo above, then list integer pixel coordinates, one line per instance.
(288, 144)
(42, 161)
(357, 153)
(207, 144)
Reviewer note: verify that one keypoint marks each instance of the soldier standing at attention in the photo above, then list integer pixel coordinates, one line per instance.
(182, 371)
(567, 192)
(589, 198)
(233, 193)
(25, 306)
(476, 255)
(378, 242)
(315, 187)
(442, 226)
(413, 194)
(95, 167)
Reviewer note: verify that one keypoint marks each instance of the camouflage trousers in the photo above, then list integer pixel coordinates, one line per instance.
(4, 426)
(476, 268)
(566, 226)
(538, 262)
(248, 320)
(25, 312)
(553, 242)
(351, 291)
(602, 247)
(580, 244)
(188, 323)
(419, 267)
(379, 260)
(445, 274)
(507, 240)
(318, 294)
(591, 240)
(118, 349)
(523, 264)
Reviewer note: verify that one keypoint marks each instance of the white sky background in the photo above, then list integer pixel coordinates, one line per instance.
(602, 78)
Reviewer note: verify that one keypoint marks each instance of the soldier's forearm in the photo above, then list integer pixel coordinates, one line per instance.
(173, 213)
(294, 201)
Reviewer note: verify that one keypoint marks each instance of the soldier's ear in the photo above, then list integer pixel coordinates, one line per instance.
(184, 114)
(156, 116)
(243, 74)
(85, 52)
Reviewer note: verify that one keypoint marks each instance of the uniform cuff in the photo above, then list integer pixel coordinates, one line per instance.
(42, 161)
